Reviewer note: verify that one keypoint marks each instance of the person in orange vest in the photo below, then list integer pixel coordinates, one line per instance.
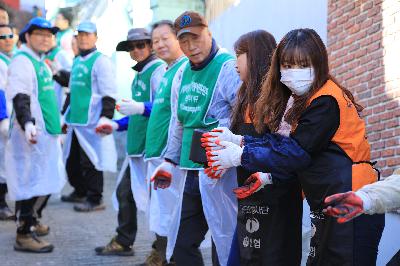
(327, 149)
(280, 205)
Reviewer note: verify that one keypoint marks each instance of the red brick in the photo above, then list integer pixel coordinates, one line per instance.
(393, 162)
(391, 143)
(367, 6)
(388, 152)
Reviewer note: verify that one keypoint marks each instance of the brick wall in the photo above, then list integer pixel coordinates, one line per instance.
(364, 51)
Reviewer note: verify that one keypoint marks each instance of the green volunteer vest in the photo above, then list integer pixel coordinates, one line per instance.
(60, 34)
(137, 126)
(5, 59)
(46, 95)
(157, 128)
(194, 99)
(52, 55)
(81, 89)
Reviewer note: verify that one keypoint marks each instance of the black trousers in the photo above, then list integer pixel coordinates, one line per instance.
(193, 226)
(3, 192)
(29, 211)
(127, 219)
(82, 175)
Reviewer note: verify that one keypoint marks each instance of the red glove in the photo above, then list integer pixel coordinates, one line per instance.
(214, 174)
(344, 206)
(253, 184)
(162, 176)
(106, 126)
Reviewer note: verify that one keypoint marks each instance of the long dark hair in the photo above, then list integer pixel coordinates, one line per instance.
(258, 46)
(301, 47)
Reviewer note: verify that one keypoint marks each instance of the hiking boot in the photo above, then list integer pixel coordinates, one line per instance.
(154, 259)
(73, 197)
(31, 243)
(41, 229)
(114, 248)
(6, 214)
(88, 206)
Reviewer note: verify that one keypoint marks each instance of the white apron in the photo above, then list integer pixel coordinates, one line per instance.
(3, 142)
(178, 183)
(101, 150)
(164, 202)
(220, 210)
(33, 169)
(139, 182)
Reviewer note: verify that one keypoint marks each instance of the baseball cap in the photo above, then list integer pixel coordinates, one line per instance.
(137, 34)
(190, 22)
(86, 26)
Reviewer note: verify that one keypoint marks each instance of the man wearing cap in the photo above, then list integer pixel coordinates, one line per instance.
(206, 96)
(149, 71)
(34, 166)
(6, 47)
(92, 102)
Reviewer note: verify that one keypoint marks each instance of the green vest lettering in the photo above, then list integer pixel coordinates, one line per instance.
(157, 128)
(137, 126)
(196, 92)
(81, 90)
(46, 95)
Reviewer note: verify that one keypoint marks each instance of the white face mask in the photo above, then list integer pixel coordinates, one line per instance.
(298, 80)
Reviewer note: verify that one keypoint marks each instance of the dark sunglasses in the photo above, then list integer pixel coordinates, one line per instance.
(139, 45)
(6, 36)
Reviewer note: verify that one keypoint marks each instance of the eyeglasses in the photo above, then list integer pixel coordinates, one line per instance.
(139, 45)
(42, 34)
(6, 36)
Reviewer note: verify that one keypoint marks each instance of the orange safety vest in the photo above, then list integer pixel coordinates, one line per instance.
(351, 136)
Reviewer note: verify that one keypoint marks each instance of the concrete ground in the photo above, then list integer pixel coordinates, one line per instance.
(75, 235)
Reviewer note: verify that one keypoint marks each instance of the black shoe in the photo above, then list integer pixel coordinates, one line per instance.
(114, 248)
(88, 206)
(73, 197)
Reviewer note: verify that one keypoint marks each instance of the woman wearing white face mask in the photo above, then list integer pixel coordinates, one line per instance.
(327, 149)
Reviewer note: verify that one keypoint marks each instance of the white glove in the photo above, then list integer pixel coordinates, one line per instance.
(30, 133)
(105, 126)
(228, 157)
(223, 134)
(4, 126)
(130, 107)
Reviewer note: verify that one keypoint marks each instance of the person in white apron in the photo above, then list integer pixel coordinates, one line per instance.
(132, 187)
(59, 61)
(34, 167)
(206, 97)
(65, 35)
(6, 47)
(163, 201)
(92, 103)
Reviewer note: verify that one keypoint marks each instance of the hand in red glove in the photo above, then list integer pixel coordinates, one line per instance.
(253, 184)
(105, 126)
(162, 176)
(344, 206)
(214, 174)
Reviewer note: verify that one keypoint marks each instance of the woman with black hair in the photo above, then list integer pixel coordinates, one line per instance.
(327, 149)
(269, 219)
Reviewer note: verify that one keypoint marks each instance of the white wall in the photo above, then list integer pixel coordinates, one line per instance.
(276, 17)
